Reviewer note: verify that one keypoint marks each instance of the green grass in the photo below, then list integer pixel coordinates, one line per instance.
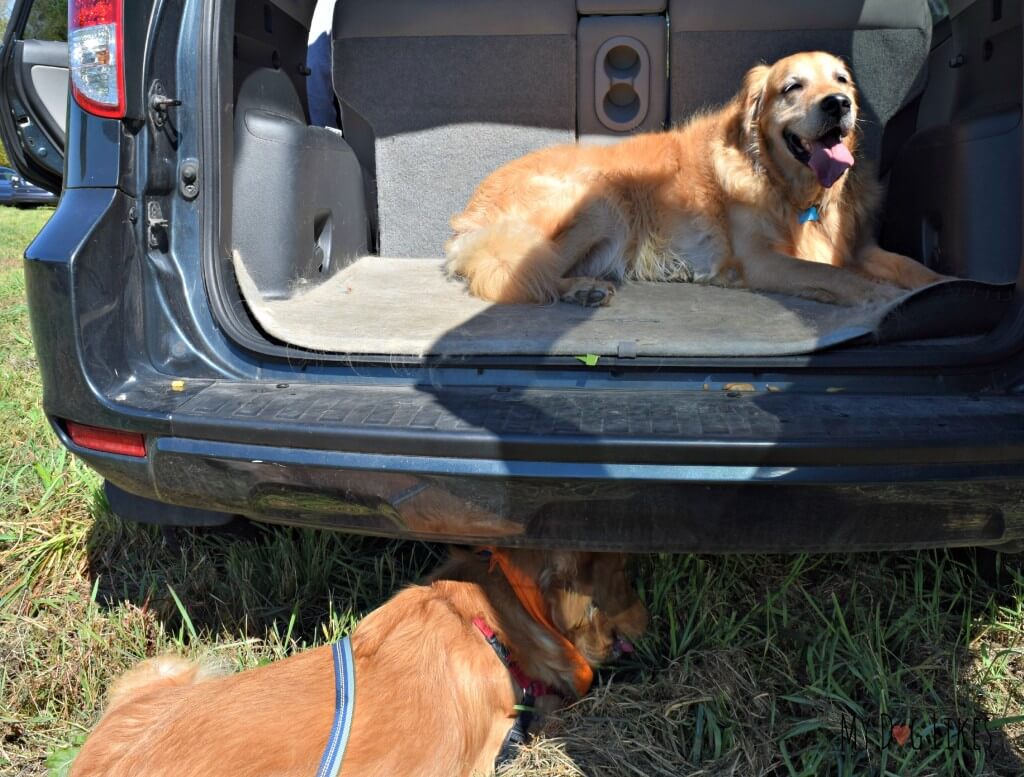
(753, 664)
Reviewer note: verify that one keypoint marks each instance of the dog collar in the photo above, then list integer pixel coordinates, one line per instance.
(529, 690)
(528, 686)
(811, 214)
(532, 599)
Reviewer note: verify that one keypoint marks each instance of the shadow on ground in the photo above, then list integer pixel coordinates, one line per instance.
(245, 579)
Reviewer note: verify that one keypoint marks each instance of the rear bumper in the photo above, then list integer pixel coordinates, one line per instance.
(474, 467)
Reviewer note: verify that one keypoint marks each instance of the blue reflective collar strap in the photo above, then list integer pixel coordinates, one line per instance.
(344, 704)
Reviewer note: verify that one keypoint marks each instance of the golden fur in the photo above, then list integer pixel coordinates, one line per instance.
(432, 698)
(715, 201)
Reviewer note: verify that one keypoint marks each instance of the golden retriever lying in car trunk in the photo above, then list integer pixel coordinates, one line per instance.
(435, 683)
(737, 197)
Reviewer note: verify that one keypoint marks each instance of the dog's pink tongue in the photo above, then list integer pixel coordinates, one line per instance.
(624, 645)
(829, 162)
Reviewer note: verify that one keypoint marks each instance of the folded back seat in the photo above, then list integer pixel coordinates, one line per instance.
(436, 95)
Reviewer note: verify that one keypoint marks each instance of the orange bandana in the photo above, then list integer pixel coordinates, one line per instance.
(530, 596)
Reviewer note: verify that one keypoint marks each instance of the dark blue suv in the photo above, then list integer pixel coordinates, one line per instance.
(240, 311)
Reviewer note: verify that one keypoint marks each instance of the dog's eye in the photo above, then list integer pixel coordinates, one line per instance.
(842, 79)
(792, 87)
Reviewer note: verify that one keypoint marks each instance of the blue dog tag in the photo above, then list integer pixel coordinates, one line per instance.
(811, 214)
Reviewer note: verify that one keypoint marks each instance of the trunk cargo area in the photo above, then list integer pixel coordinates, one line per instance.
(335, 233)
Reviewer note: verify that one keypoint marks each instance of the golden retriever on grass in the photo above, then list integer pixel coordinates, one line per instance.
(433, 693)
(762, 194)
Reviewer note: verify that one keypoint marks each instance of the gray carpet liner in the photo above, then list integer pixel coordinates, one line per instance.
(407, 307)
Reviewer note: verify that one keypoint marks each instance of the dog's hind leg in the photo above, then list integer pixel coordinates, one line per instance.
(509, 261)
(516, 261)
(589, 292)
(594, 247)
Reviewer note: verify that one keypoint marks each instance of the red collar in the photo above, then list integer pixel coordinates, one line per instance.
(519, 733)
(528, 686)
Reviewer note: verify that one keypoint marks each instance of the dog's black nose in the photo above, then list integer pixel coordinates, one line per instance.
(836, 105)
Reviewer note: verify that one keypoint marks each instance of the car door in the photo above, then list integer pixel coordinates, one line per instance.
(34, 90)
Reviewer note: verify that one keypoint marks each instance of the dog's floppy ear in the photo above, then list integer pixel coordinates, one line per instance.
(615, 596)
(566, 580)
(612, 591)
(752, 94)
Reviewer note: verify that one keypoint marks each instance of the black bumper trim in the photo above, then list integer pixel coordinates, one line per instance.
(606, 425)
(641, 509)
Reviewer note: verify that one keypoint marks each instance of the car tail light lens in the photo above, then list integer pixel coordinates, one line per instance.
(96, 54)
(107, 440)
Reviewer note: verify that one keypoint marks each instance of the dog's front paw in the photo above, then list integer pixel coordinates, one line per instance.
(588, 292)
(860, 291)
(878, 293)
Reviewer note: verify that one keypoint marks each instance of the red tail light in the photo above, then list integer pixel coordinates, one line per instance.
(96, 56)
(107, 440)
